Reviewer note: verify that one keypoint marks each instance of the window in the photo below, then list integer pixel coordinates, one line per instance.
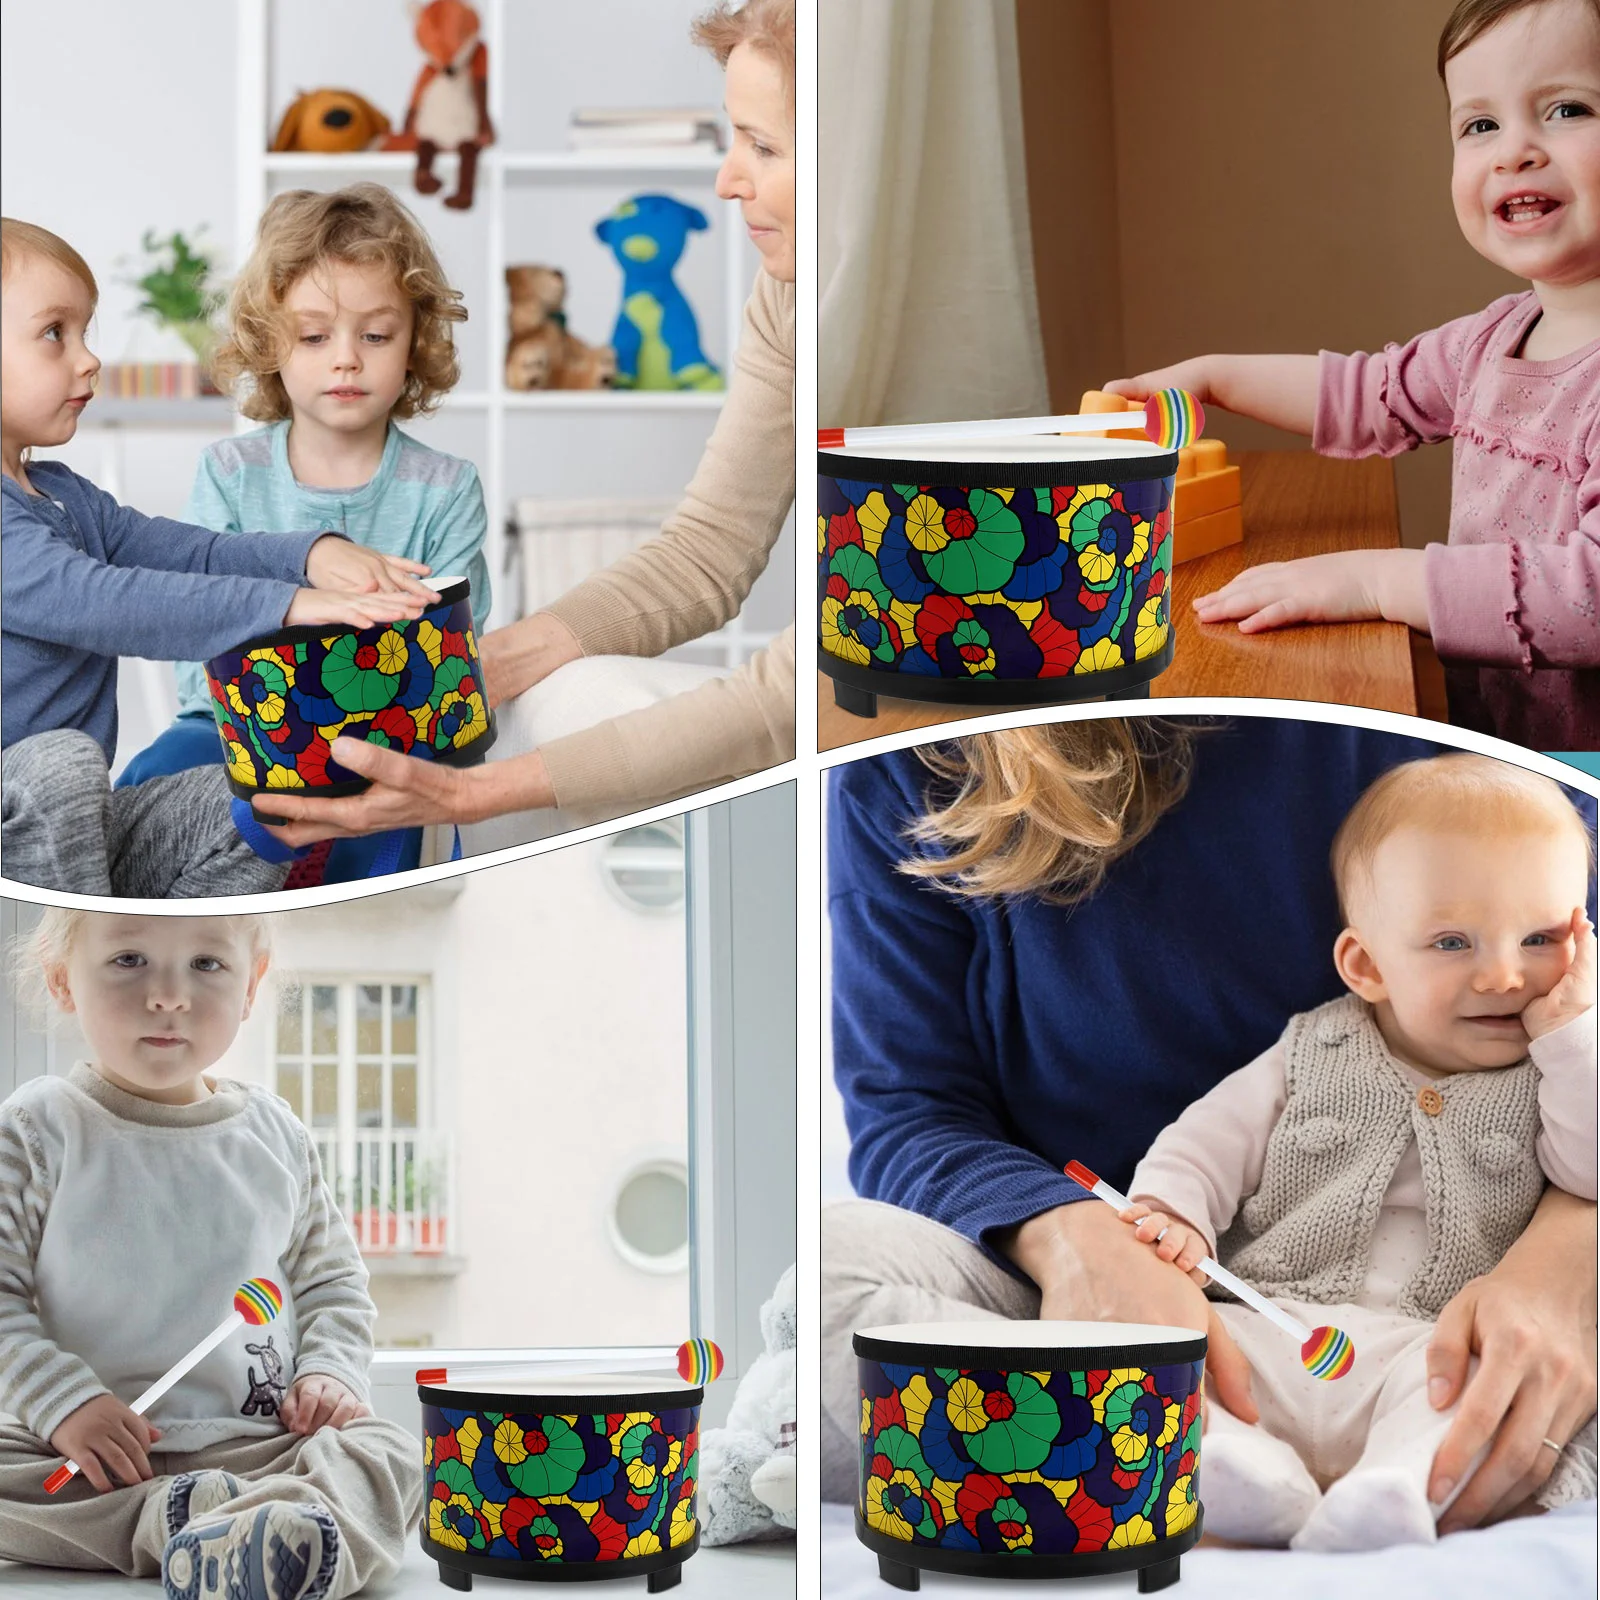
(348, 1055)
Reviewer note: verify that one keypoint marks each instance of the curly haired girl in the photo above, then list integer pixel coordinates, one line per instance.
(339, 326)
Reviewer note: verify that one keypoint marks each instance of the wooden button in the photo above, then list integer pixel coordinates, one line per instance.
(1430, 1100)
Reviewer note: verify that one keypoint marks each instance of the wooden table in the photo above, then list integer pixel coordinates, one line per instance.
(1295, 504)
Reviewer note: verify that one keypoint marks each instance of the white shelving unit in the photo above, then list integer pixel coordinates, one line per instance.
(501, 171)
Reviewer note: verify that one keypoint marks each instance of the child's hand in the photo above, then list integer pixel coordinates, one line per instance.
(323, 608)
(110, 1443)
(1574, 992)
(1193, 375)
(318, 1401)
(1344, 586)
(1173, 1241)
(336, 563)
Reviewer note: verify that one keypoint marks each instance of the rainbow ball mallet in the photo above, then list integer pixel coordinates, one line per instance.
(255, 1303)
(1172, 419)
(699, 1362)
(1325, 1353)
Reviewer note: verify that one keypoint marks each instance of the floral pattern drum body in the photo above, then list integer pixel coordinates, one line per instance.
(531, 1492)
(1044, 576)
(414, 686)
(987, 1456)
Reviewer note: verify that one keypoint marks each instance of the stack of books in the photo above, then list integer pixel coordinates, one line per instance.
(653, 128)
(153, 380)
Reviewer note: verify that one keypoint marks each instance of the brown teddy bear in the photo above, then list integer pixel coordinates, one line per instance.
(330, 122)
(541, 353)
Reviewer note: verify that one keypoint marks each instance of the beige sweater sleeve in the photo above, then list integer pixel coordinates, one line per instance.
(1202, 1167)
(688, 581)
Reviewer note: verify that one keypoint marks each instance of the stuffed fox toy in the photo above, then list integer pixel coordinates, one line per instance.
(449, 107)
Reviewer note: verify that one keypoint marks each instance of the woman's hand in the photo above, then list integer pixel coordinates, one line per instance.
(1171, 1239)
(517, 656)
(1574, 993)
(1531, 1324)
(110, 1442)
(405, 793)
(338, 563)
(320, 1401)
(1088, 1264)
(1345, 586)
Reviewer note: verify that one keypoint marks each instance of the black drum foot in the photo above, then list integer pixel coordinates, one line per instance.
(666, 1578)
(453, 1579)
(898, 1575)
(1159, 1575)
(1140, 691)
(858, 702)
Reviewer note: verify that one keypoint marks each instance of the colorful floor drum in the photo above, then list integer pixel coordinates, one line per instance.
(415, 686)
(580, 1479)
(1020, 571)
(1029, 1449)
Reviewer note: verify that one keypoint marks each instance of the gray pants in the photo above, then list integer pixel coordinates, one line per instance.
(64, 827)
(368, 1474)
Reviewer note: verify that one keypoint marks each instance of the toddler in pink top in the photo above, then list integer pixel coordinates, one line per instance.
(1513, 600)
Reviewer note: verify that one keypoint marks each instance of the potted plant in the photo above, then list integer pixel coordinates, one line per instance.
(180, 292)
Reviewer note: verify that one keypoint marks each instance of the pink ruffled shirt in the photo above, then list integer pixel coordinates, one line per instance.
(1514, 597)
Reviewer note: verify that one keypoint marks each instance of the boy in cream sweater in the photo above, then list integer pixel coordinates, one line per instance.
(1391, 1146)
(136, 1194)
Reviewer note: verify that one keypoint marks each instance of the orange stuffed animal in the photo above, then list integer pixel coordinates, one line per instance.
(449, 107)
(330, 120)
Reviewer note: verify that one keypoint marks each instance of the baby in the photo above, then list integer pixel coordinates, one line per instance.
(1392, 1145)
(136, 1195)
(339, 326)
(84, 580)
(1510, 601)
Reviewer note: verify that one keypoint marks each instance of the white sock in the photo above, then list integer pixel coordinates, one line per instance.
(1255, 1489)
(1369, 1509)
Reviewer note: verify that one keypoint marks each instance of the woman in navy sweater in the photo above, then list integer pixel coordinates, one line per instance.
(983, 1040)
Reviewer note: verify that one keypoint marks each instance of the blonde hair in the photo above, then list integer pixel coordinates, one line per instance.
(19, 240)
(1458, 793)
(1473, 18)
(48, 945)
(301, 231)
(1045, 811)
(764, 25)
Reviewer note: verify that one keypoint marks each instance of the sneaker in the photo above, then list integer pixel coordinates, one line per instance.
(196, 1494)
(283, 1550)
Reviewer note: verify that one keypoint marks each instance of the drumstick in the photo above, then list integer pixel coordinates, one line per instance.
(1324, 1352)
(699, 1361)
(1172, 419)
(255, 1303)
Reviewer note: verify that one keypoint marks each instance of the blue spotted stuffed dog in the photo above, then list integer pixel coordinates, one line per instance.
(656, 337)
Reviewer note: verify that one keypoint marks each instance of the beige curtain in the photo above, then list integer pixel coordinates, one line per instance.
(926, 304)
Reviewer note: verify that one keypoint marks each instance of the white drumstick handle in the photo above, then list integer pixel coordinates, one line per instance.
(531, 1371)
(160, 1386)
(1220, 1274)
(993, 428)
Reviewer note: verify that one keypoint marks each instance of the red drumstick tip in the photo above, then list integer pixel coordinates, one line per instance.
(830, 438)
(62, 1474)
(432, 1374)
(1080, 1174)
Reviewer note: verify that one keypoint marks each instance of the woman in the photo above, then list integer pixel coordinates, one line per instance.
(581, 730)
(1138, 906)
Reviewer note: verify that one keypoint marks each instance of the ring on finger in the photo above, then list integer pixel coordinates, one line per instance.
(1558, 1448)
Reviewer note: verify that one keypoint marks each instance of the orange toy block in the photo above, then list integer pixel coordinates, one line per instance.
(1206, 496)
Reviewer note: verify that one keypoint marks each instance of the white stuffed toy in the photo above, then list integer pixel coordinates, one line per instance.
(747, 1469)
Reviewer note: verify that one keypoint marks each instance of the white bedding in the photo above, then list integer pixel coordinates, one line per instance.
(1551, 1557)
